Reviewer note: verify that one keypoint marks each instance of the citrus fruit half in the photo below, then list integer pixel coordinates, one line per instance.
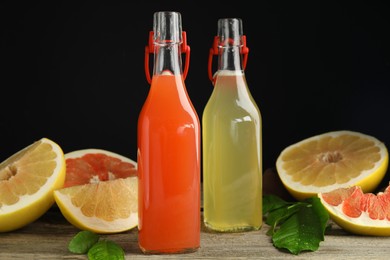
(332, 160)
(358, 212)
(100, 192)
(27, 181)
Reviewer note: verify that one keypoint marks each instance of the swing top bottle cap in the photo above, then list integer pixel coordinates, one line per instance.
(230, 32)
(167, 27)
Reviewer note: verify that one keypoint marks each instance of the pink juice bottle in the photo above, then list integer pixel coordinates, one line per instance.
(168, 148)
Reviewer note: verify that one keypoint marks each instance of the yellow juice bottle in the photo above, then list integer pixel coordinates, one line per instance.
(231, 136)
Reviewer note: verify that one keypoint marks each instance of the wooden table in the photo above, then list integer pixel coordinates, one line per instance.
(48, 238)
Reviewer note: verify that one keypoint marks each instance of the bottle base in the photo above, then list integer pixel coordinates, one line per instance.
(168, 250)
(231, 229)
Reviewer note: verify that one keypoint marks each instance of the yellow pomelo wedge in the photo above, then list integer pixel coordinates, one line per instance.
(27, 181)
(332, 160)
(103, 207)
(357, 212)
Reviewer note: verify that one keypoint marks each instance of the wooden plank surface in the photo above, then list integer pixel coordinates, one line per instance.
(48, 238)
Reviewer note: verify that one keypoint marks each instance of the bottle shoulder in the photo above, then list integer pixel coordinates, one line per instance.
(233, 88)
(224, 107)
(224, 72)
(168, 96)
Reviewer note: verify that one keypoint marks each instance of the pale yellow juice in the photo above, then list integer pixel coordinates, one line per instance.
(232, 156)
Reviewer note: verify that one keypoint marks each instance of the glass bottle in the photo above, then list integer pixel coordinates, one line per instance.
(168, 147)
(232, 139)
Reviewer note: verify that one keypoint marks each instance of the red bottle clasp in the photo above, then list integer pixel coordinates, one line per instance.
(149, 49)
(214, 51)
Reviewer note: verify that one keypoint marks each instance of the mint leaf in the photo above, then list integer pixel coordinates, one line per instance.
(82, 242)
(106, 250)
(295, 226)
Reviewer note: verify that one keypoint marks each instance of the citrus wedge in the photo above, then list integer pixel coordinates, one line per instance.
(357, 212)
(100, 192)
(332, 160)
(104, 207)
(27, 181)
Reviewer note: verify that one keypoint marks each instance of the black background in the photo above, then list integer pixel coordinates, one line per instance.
(74, 73)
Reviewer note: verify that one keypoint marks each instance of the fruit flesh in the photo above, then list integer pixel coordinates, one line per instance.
(354, 202)
(105, 207)
(328, 159)
(95, 166)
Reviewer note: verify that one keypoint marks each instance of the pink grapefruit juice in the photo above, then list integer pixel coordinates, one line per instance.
(168, 169)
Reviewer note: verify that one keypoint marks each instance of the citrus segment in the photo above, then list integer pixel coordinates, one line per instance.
(103, 207)
(359, 212)
(332, 160)
(95, 165)
(27, 181)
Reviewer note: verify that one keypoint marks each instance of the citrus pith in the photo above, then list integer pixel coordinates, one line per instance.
(27, 181)
(332, 160)
(358, 212)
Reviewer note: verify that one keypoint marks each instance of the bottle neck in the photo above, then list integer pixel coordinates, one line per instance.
(167, 59)
(230, 58)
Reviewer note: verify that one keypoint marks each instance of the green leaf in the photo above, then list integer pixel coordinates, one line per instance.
(279, 215)
(303, 230)
(82, 242)
(295, 226)
(106, 250)
(320, 212)
(272, 202)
